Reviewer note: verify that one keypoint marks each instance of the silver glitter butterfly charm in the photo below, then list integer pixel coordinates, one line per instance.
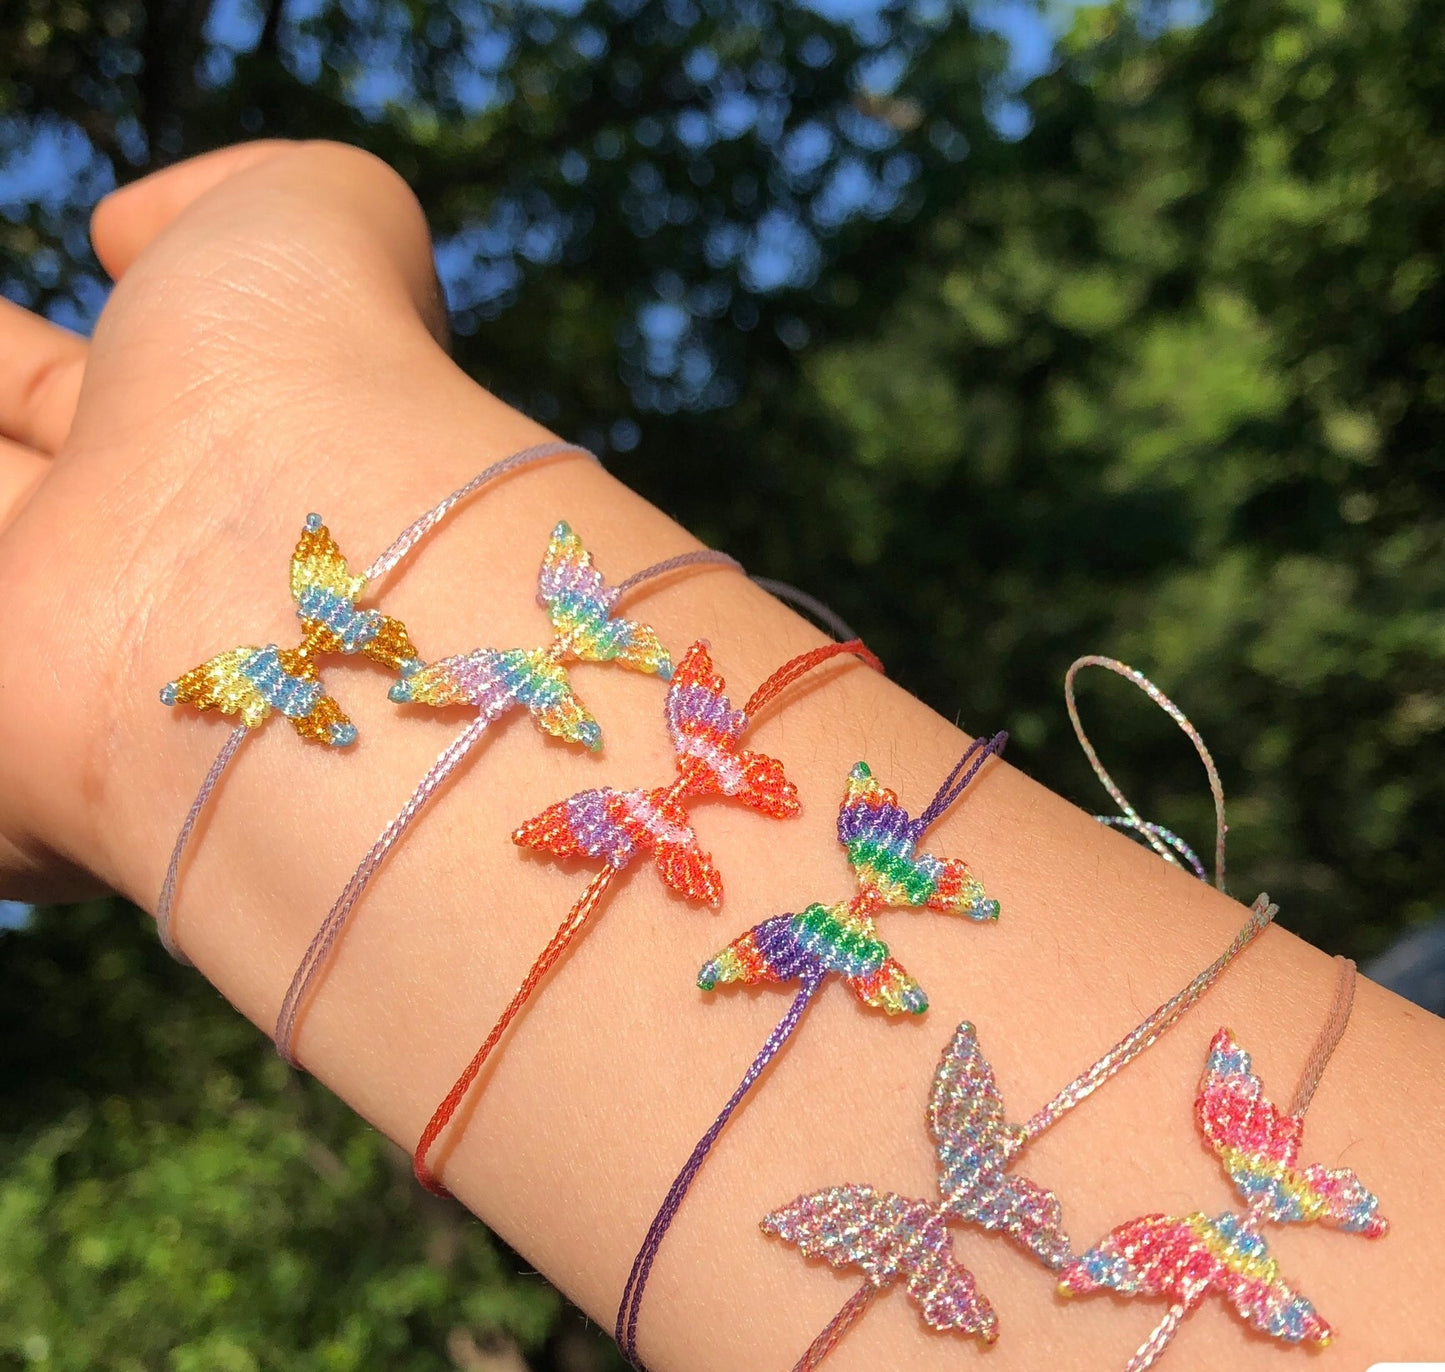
(891, 1238)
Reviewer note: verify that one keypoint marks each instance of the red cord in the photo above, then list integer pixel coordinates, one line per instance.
(798, 666)
(570, 927)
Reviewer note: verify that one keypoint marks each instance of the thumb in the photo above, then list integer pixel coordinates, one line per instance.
(129, 219)
(334, 183)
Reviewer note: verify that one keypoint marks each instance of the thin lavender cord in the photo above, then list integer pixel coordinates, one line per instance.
(671, 564)
(1149, 1031)
(424, 524)
(831, 621)
(330, 928)
(1160, 839)
(627, 1311)
(165, 924)
(954, 784)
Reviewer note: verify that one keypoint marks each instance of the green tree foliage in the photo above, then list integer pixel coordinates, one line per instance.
(172, 1196)
(1163, 377)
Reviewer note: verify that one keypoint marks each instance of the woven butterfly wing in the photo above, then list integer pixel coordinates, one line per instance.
(580, 603)
(881, 842)
(819, 941)
(889, 1238)
(251, 682)
(1259, 1147)
(615, 826)
(494, 680)
(326, 592)
(975, 1145)
(1185, 1260)
(706, 731)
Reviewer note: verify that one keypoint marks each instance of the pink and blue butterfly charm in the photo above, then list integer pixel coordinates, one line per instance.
(1184, 1260)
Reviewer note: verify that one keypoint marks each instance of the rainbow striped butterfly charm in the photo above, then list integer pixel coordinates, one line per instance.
(616, 825)
(842, 939)
(252, 682)
(1184, 1260)
(891, 1239)
(580, 604)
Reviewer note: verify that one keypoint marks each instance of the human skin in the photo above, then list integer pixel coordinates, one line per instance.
(274, 346)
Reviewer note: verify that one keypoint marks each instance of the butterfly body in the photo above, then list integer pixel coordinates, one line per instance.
(251, 682)
(1186, 1259)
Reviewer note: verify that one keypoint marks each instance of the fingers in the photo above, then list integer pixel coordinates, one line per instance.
(126, 222)
(21, 471)
(347, 203)
(39, 379)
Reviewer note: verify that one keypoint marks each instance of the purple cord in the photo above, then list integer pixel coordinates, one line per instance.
(631, 1304)
(954, 784)
(625, 1331)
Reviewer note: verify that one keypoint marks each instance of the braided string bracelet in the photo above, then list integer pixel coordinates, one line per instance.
(1185, 1260)
(897, 1239)
(495, 682)
(891, 1238)
(617, 826)
(823, 941)
(252, 682)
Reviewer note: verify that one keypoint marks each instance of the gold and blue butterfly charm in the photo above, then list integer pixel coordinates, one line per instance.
(251, 682)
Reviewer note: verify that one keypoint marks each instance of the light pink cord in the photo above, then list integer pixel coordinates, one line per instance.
(164, 907)
(1329, 1038)
(424, 524)
(330, 928)
(1128, 1048)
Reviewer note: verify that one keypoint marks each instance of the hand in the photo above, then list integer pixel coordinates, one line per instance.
(264, 293)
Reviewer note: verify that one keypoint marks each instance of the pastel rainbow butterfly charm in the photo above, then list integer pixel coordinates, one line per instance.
(1184, 1260)
(892, 1239)
(616, 826)
(579, 603)
(842, 939)
(251, 682)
